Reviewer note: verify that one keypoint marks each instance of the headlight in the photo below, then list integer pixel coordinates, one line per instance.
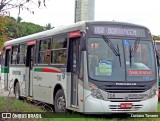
(95, 92)
(153, 90)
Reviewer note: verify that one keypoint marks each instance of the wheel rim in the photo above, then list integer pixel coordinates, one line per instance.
(61, 104)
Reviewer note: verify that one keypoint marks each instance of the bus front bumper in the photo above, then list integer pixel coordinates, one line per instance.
(93, 105)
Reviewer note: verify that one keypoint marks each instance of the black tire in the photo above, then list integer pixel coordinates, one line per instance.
(60, 101)
(17, 91)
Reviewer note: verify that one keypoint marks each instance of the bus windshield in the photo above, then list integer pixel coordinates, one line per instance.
(105, 65)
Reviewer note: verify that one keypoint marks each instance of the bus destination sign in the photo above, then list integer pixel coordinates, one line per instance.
(119, 31)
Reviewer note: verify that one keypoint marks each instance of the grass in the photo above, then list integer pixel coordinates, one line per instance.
(13, 105)
(159, 106)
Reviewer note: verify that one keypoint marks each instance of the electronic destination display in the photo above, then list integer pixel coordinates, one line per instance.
(119, 31)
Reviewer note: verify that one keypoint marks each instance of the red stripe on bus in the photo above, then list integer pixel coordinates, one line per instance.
(50, 70)
(74, 34)
(33, 42)
(8, 47)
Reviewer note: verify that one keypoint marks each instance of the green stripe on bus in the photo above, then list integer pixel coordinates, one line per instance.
(38, 69)
(5, 70)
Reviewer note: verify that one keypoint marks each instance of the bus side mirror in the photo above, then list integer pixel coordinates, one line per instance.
(83, 42)
(157, 56)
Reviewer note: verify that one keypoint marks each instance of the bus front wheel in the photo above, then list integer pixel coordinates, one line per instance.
(60, 102)
(17, 91)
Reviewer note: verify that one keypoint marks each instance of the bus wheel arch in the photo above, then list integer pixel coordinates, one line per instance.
(59, 99)
(15, 82)
(17, 89)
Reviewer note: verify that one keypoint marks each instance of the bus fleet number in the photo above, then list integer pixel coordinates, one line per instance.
(111, 95)
(59, 77)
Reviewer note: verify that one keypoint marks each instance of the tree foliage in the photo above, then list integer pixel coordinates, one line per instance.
(6, 5)
(3, 30)
(17, 29)
(14, 28)
(31, 28)
(156, 37)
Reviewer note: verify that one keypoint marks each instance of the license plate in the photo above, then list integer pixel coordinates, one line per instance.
(126, 105)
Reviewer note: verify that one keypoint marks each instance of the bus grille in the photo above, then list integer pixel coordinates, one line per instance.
(124, 89)
(116, 108)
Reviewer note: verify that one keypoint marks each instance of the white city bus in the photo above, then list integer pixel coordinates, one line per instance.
(88, 67)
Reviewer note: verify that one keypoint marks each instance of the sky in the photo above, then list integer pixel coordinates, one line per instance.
(61, 12)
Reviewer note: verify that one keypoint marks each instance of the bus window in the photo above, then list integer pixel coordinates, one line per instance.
(3, 58)
(59, 47)
(141, 60)
(158, 48)
(44, 52)
(14, 55)
(103, 63)
(22, 54)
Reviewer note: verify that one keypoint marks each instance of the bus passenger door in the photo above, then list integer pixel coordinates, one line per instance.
(5, 69)
(74, 69)
(29, 70)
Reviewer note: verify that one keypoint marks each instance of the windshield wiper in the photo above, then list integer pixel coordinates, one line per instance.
(112, 47)
(133, 50)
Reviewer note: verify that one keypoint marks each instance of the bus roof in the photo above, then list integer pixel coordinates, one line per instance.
(55, 31)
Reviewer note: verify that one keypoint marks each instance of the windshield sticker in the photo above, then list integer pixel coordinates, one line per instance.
(140, 73)
(126, 42)
(105, 67)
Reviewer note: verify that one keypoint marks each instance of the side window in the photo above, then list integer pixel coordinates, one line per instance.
(158, 49)
(59, 47)
(3, 57)
(14, 55)
(44, 52)
(21, 54)
(6, 57)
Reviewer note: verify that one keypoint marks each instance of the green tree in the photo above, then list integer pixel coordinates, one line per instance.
(156, 37)
(20, 31)
(3, 31)
(14, 28)
(11, 25)
(32, 28)
(19, 19)
(17, 29)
